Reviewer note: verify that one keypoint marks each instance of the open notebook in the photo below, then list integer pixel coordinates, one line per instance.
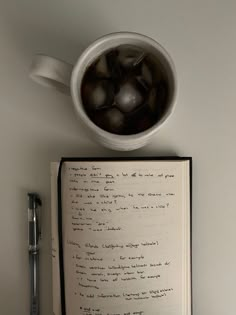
(121, 236)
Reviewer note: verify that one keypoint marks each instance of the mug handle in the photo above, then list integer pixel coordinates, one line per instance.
(51, 72)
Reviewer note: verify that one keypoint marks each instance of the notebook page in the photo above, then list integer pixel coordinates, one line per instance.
(124, 246)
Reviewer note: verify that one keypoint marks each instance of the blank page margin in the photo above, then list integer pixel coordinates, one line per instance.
(56, 294)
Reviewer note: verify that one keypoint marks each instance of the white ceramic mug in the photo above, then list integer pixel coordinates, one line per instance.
(66, 78)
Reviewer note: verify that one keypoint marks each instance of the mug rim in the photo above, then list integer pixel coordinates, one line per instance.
(76, 93)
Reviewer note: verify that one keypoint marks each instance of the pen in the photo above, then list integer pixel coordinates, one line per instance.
(34, 203)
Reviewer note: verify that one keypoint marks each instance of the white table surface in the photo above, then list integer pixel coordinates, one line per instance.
(38, 126)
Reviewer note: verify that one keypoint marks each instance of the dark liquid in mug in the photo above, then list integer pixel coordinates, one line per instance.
(125, 91)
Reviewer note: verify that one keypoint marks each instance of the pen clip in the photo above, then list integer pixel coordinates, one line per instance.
(38, 211)
(35, 205)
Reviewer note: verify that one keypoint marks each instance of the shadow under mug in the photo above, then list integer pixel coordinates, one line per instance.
(51, 72)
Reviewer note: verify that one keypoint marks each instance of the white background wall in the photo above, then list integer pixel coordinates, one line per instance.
(38, 126)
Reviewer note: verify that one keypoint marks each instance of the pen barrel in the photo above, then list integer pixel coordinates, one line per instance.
(33, 238)
(34, 282)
